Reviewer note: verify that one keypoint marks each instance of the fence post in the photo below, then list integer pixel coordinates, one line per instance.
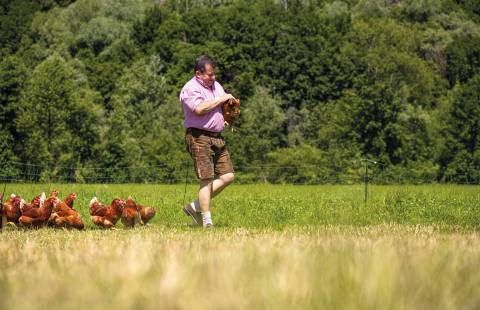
(365, 179)
(3, 217)
(186, 180)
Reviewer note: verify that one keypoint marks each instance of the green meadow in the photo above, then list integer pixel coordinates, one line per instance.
(272, 247)
(263, 206)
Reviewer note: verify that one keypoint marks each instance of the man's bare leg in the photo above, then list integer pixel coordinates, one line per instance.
(204, 197)
(205, 194)
(218, 185)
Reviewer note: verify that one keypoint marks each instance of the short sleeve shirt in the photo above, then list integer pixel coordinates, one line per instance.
(194, 93)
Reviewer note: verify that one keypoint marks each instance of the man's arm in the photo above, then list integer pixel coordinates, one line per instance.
(206, 106)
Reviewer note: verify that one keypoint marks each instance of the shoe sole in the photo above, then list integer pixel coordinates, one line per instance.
(191, 215)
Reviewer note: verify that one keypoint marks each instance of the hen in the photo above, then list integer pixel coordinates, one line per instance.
(130, 214)
(54, 193)
(146, 213)
(12, 209)
(231, 110)
(65, 216)
(37, 217)
(70, 199)
(106, 216)
(37, 202)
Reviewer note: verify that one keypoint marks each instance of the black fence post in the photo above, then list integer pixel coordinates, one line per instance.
(365, 179)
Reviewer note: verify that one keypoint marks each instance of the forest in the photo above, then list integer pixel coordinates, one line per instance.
(89, 88)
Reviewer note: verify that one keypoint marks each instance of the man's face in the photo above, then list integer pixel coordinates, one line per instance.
(208, 76)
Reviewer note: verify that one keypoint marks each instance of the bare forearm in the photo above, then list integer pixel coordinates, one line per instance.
(207, 106)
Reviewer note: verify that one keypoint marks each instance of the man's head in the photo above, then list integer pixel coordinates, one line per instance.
(205, 70)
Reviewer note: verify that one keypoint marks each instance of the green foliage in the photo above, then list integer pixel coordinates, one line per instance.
(471, 7)
(94, 84)
(260, 129)
(12, 76)
(371, 9)
(460, 154)
(144, 127)
(57, 119)
(390, 85)
(15, 19)
(99, 33)
(144, 30)
(463, 59)
(304, 164)
(420, 10)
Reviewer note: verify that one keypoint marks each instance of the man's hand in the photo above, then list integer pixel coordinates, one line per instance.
(226, 97)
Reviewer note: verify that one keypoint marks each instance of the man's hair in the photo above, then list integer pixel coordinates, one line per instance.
(201, 61)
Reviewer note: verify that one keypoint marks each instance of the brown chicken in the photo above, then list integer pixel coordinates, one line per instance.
(70, 200)
(146, 213)
(231, 110)
(106, 216)
(12, 209)
(37, 202)
(37, 217)
(65, 216)
(135, 213)
(130, 214)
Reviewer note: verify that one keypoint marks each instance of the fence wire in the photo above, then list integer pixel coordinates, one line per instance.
(366, 171)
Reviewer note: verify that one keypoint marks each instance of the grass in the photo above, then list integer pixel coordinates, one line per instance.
(280, 206)
(273, 247)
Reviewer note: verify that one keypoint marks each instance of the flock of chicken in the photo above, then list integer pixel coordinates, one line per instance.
(52, 211)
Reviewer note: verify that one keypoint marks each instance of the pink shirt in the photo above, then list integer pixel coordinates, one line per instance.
(194, 93)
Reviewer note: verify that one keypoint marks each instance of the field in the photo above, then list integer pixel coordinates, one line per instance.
(272, 247)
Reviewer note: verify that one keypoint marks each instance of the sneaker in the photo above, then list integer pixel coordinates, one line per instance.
(208, 225)
(196, 216)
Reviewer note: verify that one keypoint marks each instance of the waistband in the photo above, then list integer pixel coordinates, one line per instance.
(198, 132)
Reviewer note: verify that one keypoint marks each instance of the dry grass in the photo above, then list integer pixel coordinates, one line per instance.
(337, 267)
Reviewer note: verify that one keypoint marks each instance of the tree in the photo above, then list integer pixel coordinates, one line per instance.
(12, 76)
(99, 33)
(460, 156)
(58, 116)
(145, 127)
(388, 80)
(14, 23)
(301, 164)
(463, 59)
(260, 130)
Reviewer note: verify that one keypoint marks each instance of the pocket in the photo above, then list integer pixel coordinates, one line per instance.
(188, 143)
(197, 145)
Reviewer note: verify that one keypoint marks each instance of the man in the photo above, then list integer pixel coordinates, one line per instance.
(202, 99)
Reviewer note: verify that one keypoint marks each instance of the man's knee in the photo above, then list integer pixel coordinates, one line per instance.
(228, 177)
(206, 182)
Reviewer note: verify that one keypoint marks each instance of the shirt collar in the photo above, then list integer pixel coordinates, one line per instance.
(199, 81)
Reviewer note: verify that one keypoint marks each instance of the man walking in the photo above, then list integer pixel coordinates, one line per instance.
(202, 99)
